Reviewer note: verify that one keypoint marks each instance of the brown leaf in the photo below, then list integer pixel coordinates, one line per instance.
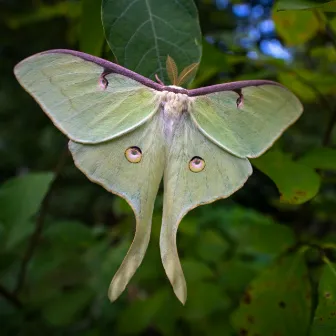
(172, 70)
(187, 73)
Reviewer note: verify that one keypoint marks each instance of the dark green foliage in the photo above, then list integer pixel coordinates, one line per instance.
(259, 263)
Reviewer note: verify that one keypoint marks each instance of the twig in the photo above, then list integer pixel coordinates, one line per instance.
(11, 298)
(35, 237)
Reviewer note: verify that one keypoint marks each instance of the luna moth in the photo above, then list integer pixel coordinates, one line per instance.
(128, 132)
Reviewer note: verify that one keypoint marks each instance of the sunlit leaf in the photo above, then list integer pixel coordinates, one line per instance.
(325, 53)
(327, 6)
(298, 86)
(296, 27)
(296, 182)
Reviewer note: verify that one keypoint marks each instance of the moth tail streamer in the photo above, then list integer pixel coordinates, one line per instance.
(170, 258)
(132, 260)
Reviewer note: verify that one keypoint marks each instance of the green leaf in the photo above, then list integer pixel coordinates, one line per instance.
(211, 246)
(195, 270)
(296, 27)
(91, 37)
(20, 199)
(166, 318)
(103, 261)
(69, 234)
(142, 33)
(296, 182)
(57, 267)
(324, 323)
(309, 85)
(250, 231)
(64, 309)
(277, 301)
(139, 314)
(295, 84)
(17, 233)
(235, 275)
(325, 54)
(327, 6)
(257, 238)
(204, 299)
(319, 158)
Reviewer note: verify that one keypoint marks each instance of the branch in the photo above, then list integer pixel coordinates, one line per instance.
(35, 237)
(11, 298)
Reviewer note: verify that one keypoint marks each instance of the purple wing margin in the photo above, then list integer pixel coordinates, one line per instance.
(110, 67)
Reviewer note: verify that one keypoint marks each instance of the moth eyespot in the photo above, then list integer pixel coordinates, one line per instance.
(196, 164)
(133, 154)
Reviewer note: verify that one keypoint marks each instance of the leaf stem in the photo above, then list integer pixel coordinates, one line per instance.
(35, 237)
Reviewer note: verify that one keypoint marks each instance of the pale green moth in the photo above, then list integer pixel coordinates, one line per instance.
(127, 132)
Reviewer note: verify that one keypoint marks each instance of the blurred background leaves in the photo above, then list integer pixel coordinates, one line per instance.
(259, 263)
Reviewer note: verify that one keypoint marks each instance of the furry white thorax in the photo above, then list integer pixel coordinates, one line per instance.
(174, 104)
